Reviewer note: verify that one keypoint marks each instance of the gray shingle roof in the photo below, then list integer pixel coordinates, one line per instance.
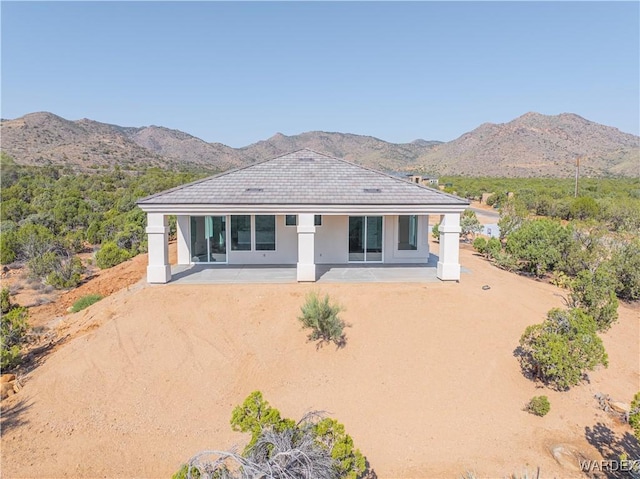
(303, 177)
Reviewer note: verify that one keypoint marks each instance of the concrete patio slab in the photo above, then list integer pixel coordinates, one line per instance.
(338, 273)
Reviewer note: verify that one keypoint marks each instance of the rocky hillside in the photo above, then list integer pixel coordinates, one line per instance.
(47, 139)
(531, 145)
(538, 145)
(365, 150)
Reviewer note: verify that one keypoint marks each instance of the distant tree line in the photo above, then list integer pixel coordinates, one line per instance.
(615, 202)
(49, 214)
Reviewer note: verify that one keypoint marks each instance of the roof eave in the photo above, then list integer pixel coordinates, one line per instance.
(326, 209)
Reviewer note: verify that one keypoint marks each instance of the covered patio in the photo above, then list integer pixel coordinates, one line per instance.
(324, 218)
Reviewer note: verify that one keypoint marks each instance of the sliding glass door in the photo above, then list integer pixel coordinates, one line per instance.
(365, 238)
(208, 239)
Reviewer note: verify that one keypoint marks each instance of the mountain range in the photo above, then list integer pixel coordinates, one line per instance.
(528, 146)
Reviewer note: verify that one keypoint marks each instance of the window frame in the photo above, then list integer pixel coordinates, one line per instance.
(411, 233)
(275, 229)
(317, 220)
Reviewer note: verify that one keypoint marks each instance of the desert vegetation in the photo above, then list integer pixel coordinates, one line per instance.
(50, 214)
(316, 447)
(13, 329)
(85, 302)
(539, 405)
(321, 317)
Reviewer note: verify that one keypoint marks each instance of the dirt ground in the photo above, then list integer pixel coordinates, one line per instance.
(427, 384)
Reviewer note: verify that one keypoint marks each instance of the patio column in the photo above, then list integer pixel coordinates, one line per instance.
(184, 239)
(306, 267)
(449, 261)
(158, 270)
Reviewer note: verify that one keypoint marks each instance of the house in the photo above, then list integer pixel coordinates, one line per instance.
(303, 208)
(423, 180)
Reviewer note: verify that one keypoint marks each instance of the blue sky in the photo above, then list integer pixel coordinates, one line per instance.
(238, 72)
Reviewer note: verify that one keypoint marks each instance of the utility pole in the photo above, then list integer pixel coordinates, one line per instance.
(575, 193)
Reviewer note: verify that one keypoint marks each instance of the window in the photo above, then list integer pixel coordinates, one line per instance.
(292, 220)
(265, 233)
(407, 232)
(241, 233)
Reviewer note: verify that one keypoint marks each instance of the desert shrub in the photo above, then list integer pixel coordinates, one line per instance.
(560, 350)
(33, 241)
(560, 279)
(187, 472)
(312, 448)
(435, 232)
(13, 329)
(585, 249)
(634, 415)
(68, 274)
(110, 255)
(512, 214)
(322, 318)
(480, 245)
(490, 248)
(469, 224)
(494, 246)
(584, 207)
(538, 245)
(8, 247)
(539, 405)
(41, 266)
(594, 292)
(625, 263)
(5, 300)
(349, 461)
(505, 260)
(254, 415)
(85, 302)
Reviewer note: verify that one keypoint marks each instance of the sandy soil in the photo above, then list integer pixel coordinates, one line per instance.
(427, 384)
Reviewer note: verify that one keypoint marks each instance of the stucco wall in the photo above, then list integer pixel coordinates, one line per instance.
(391, 252)
(331, 243)
(286, 248)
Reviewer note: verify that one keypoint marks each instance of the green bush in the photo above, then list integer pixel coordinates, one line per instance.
(480, 245)
(349, 461)
(561, 349)
(13, 329)
(68, 274)
(322, 318)
(594, 292)
(110, 255)
(185, 473)
(634, 415)
(41, 266)
(469, 225)
(494, 247)
(538, 245)
(625, 263)
(5, 300)
(512, 214)
(583, 208)
(8, 247)
(254, 415)
(435, 232)
(539, 405)
(85, 302)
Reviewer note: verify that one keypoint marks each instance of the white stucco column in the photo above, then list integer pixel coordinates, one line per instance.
(158, 270)
(449, 260)
(184, 239)
(306, 248)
